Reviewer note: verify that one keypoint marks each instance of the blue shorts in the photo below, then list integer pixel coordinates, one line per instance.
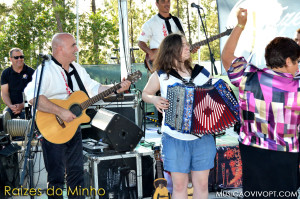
(185, 156)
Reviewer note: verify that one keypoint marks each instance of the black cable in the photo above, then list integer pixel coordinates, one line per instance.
(40, 170)
(142, 104)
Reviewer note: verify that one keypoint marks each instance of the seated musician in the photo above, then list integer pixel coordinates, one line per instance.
(182, 153)
(13, 82)
(269, 112)
(59, 81)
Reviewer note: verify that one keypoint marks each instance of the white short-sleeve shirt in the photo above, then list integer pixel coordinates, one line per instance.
(54, 82)
(155, 30)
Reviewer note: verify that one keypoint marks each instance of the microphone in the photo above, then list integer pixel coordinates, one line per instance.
(44, 56)
(196, 6)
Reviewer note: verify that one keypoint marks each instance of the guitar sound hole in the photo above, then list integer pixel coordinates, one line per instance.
(76, 110)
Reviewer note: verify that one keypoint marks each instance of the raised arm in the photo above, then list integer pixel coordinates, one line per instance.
(230, 46)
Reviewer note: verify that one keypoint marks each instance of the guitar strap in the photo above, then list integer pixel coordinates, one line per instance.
(79, 82)
(178, 24)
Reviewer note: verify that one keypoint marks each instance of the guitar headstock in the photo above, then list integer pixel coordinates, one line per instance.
(228, 31)
(157, 152)
(134, 77)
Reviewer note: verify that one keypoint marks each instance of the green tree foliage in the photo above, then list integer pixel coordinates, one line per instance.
(139, 13)
(4, 12)
(99, 34)
(212, 27)
(63, 12)
(105, 36)
(136, 18)
(189, 17)
(30, 25)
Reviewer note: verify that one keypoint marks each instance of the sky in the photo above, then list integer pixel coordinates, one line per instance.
(8, 2)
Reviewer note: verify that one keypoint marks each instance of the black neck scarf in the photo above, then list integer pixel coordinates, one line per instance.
(167, 22)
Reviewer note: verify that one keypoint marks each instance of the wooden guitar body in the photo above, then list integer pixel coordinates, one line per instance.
(161, 190)
(52, 130)
(190, 192)
(148, 62)
(161, 193)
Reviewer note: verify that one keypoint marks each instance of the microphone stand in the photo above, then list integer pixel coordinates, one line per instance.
(212, 59)
(28, 155)
(213, 68)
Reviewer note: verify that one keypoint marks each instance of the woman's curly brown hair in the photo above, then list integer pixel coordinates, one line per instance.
(169, 54)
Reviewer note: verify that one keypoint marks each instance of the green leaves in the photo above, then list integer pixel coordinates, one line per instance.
(30, 25)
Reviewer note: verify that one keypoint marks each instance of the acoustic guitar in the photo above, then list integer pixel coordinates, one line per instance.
(55, 130)
(148, 62)
(160, 183)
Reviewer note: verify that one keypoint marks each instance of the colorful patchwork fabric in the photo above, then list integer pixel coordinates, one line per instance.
(265, 99)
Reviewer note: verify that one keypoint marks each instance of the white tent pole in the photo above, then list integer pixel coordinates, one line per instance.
(124, 39)
(77, 28)
(199, 36)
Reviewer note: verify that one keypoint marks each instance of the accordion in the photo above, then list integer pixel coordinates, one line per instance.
(207, 109)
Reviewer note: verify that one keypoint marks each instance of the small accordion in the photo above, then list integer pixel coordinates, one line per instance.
(207, 109)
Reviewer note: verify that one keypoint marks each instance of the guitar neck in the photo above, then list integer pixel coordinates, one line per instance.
(159, 170)
(100, 96)
(204, 42)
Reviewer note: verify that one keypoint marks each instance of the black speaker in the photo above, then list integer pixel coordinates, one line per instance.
(116, 130)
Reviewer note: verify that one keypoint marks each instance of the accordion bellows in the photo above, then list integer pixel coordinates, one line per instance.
(207, 109)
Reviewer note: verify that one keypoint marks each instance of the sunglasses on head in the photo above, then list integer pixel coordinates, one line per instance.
(17, 57)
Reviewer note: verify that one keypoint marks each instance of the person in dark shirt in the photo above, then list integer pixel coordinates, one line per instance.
(13, 82)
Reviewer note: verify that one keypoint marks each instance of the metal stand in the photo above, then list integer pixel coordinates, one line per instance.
(212, 59)
(28, 155)
(126, 192)
(215, 187)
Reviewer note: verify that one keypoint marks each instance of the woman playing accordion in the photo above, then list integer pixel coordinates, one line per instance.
(182, 153)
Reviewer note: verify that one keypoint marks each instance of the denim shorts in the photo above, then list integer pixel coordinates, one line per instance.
(184, 156)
